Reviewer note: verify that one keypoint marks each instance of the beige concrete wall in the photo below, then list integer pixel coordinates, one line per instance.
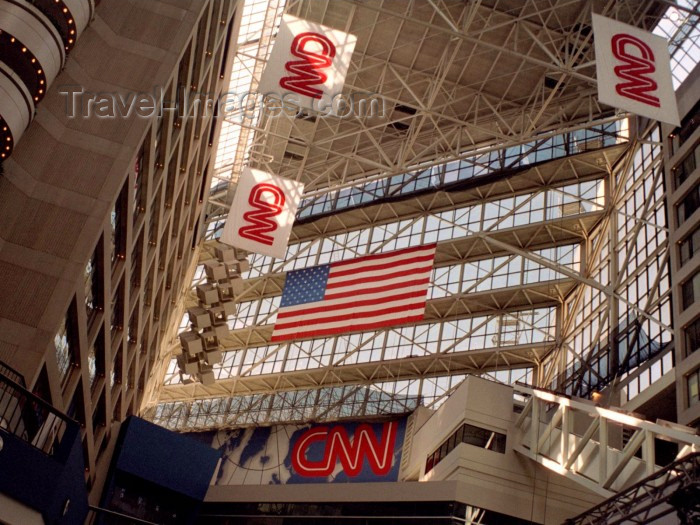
(512, 484)
(506, 483)
(686, 361)
(60, 187)
(335, 492)
(64, 175)
(477, 401)
(12, 512)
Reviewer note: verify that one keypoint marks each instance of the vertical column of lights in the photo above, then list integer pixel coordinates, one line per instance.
(62, 17)
(201, 348)
(35, 38)
(17, 55)
(6, 142)
(10, 44)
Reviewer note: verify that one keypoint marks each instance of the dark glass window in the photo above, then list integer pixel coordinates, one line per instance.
(459, 435)
(118, 226)
(136, 260)
(96, 355)
(92, 286)
(429, 464)
(690, 246)
(132, 329)
(694, 387)
(690, 290)
(98, 414)
(65, 351)
(471, 435)
(480, 437)
(139, 182)
(92, 366)
(687, 166)
(689, 204)
(452, 442)
(688, 126)
(116, 321)
(692, 336)
(115, 375)
(159, 150)
(115, 220)
(76, 408)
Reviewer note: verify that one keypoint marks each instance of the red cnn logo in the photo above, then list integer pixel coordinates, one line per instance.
(307, 71)
(260, 217)
(338, 447)
(634, 69)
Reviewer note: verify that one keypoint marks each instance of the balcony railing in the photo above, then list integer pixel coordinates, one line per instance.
(41, 458)
(100, 516)
(30, 418)
(9, 372)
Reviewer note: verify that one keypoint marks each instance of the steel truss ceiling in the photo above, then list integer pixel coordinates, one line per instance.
(455, 76)
(459, 80)
(268, 375)
(671, 490)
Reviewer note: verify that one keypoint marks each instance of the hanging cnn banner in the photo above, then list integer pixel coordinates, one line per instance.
(308, 64)
(262, 213)
(634, 70)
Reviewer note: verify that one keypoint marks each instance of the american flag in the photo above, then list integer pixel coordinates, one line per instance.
(360, 294)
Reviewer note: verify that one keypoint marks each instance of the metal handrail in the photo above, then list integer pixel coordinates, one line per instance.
(615, 414)
(31, 419)
(9, 372)
(96, 512)
(601, 458)
(644, 500)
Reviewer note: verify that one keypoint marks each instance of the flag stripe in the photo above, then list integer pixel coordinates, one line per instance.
(361, 294)
(375, 278)
(350, 312)
(355, 271)
(379, 256)
(355, 291)
(344, 329)
(375, 271)
(386, 263)
(376, 289)
(392, 320)
(343, 305)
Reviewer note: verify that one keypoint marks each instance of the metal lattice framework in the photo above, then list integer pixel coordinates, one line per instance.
(615, 450)
(493, 144)
(673, 488)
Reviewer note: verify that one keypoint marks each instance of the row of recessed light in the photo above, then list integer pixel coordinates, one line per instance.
(70, 22)
(39, 93)
(7, 39)
(6, 136)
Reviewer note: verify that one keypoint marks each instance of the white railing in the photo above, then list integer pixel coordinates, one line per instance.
(588, 443)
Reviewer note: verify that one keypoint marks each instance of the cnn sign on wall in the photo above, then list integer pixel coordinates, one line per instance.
(308, 63)
(262, 213)
(634, 70)
(323, 450)
(340, 452)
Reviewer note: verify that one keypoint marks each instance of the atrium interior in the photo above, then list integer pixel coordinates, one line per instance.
(554, 376)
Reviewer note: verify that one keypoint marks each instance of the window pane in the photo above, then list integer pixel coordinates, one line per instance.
(693, 391)
(91, 285)
(64, 352)
(692, 336)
